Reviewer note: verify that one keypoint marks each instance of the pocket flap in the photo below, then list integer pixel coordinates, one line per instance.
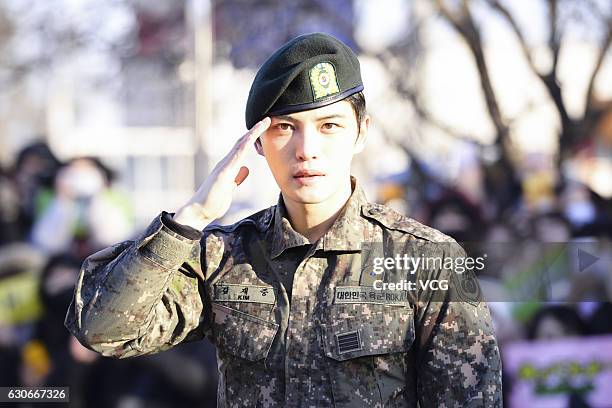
(241, 334)
(388, 329)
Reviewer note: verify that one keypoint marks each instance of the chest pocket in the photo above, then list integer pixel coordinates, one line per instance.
(241, 334)
(361, 329)
(366, 346)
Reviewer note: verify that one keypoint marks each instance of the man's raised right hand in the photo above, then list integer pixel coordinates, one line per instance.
(213, 198)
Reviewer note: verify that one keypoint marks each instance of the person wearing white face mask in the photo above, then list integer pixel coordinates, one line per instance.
(85, 213)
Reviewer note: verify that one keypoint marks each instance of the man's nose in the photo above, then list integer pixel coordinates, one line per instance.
(308, 144)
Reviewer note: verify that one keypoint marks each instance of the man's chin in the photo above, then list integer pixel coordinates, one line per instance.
(309, 197)
(308, 194)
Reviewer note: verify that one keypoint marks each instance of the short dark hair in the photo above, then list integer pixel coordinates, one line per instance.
(357, 101)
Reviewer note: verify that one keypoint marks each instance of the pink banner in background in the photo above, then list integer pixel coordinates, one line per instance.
(544, 374)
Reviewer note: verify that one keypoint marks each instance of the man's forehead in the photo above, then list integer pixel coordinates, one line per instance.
(340, 109)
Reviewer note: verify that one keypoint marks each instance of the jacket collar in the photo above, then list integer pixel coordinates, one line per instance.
(346, 233)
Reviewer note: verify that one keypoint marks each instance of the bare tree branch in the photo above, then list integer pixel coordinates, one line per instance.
(549, 79)
(464, 24)
(554, 35)
(496, 5)
(603, 51)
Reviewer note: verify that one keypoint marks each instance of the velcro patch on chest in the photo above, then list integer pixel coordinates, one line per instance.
(368, 294)
(349, 341)
(231, 292)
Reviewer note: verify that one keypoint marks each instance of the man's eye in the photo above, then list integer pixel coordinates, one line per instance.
(330, 126)
(284, 127)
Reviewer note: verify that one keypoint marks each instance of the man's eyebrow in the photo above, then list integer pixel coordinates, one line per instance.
(332, 116)
(290, 118)
(284, 117)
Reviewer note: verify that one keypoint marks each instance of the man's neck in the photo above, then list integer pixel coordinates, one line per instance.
(313, 220)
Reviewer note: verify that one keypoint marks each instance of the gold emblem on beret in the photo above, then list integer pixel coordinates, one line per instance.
(323, 80)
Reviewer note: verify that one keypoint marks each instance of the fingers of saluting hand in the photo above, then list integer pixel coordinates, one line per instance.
(259, 128)
(249, 138)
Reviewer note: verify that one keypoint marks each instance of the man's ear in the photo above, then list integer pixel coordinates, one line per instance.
(364, 126)
(259, 147)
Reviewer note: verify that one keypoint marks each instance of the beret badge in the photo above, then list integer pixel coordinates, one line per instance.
(323, 80)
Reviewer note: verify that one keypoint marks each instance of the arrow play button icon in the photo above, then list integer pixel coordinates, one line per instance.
(585, 260)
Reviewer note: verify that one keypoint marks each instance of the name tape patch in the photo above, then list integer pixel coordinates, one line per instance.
(367, 294)
(229, 292)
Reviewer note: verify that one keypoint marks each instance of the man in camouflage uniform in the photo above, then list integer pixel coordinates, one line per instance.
(288, 294)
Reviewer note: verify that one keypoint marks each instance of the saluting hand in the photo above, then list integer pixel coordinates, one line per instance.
(213, 198)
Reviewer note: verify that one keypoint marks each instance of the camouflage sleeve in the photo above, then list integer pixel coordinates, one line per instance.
(458, 362)
(140, 297)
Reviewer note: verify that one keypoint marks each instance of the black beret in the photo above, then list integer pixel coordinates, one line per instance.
(308, 72)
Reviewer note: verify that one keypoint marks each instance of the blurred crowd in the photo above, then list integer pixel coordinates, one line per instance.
(547, 240)
(53, 214)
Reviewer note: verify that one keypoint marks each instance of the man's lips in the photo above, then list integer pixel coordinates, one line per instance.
(308, 173)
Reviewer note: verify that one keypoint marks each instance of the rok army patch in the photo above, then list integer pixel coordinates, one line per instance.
(467, 288)
(323, 80)
(365, 294)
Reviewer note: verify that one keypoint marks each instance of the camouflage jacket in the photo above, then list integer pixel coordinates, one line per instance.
(297, 324)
